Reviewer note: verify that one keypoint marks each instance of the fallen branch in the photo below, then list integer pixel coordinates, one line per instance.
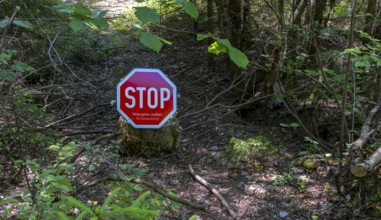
(366, 132)
(171, 197)
(215, 192)
(362, 169)
(87, 132)
(55, 123)
(151, 186)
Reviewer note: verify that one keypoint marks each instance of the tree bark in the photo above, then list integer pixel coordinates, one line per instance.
(235, 15)
(369, 19)
(362, 169)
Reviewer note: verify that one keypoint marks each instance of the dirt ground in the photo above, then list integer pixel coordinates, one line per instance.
(270, 186)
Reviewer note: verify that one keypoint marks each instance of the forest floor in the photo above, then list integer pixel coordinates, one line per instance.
(272, 184)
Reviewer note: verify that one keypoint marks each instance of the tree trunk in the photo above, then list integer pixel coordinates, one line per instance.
(317, 9)
(235, 15)
(369, 19)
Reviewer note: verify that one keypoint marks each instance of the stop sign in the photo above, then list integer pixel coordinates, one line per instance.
(146, 98)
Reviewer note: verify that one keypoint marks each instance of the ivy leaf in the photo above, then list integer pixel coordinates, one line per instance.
(23, 24)
(238, 57)
(145, 15)
(76, 24)
(151, 41)
(189, 8)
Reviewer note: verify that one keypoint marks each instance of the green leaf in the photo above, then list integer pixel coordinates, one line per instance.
(354, 50)
(189, 8)
(151, 41)
(201, 37)
(76, 24)
(79, 204)
(4, 23)
(63, 216)
(101, 23)
(81, 9)
(217, 48)
(194, 217)
(137, 203)
(7, 75)
(137, 26)
(225, 42)
(21, 67)
(91, 23)
(109, 199)
(146, 15)
(65, 8)
(101, 13)
(23, 24)
(238, 57)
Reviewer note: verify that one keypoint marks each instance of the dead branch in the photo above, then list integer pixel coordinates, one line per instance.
(215, 192)
(87, 132)
(151, 186)
(366, 130)
(52, 124)
(163, 193)
(363, 168)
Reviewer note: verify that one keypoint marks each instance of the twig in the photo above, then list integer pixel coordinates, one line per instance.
(163, 193)
(70, 117)
(73, 159)
(87, 132)
(215, 192)
(10, 21)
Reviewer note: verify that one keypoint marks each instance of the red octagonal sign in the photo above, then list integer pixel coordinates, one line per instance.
(146, 98)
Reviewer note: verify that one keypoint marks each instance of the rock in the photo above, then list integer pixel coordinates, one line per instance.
(149, 142)
(283, 214)
(214, 148)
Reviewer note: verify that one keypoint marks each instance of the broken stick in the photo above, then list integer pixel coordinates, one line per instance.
(215, 192)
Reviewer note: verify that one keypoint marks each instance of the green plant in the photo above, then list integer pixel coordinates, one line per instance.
(82, 16)
(242, 151)
(110, 209)
(10, 68)
(282, 179)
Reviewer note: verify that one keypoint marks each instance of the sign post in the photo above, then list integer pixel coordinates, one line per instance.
(146, 98)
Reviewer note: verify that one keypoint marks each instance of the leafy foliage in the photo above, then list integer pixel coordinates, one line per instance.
(189, 8)
(224, 46)
(81, 16)
(147, 15)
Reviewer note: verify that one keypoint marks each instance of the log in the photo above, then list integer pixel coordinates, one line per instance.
(366, 132)
(362, 169)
